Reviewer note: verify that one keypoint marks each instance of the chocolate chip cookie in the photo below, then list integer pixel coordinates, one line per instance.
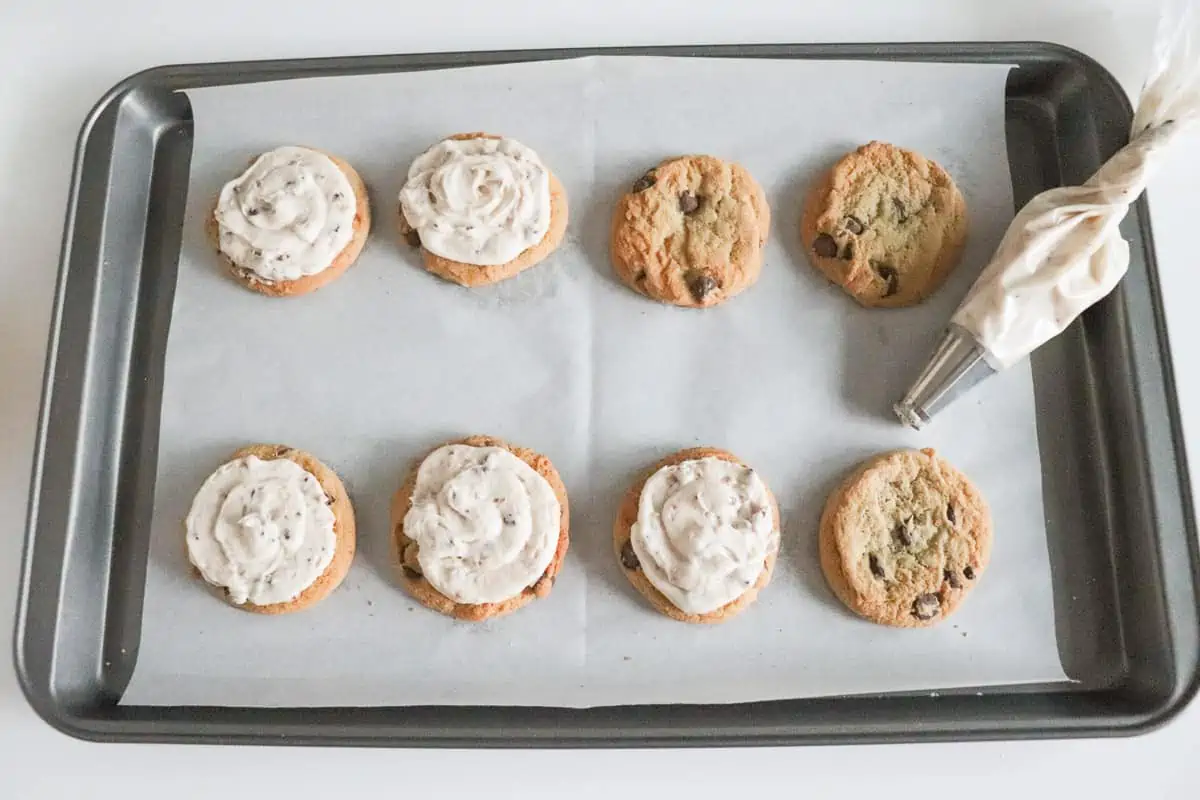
(631, 567)
(886, 224)
(904, 539)
(691, 232)
(405, 551)
(476, 275)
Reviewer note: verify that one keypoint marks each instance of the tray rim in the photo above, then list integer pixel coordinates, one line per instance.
(182, 76)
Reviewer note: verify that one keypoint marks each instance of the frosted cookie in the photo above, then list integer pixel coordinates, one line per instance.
(698, 535)
(482, 208)
(691, 232)
(272, 528)
(292, 222)
(886, 224)
(480, 528)
(904, 539)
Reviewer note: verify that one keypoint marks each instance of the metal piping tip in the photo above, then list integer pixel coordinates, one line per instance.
(957, 364)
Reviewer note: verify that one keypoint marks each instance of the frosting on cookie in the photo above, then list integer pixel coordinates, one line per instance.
(704, 531)
(485, 522)
(287, 216)
(478, 201)
(263, 530)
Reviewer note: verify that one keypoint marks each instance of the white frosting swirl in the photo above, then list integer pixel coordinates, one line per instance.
(486, 523)
(478, 201)
(263, 530)
(287, 216)
(704, 531)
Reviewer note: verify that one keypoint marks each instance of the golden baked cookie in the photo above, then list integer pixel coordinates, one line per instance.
(308, 283)
(472, 275)
(691, 232)
(886, 224)
(627, 516)
(904, 539)
(343, 529)
(406, 550)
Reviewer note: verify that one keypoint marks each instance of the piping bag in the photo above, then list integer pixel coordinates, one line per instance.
(1063, 251)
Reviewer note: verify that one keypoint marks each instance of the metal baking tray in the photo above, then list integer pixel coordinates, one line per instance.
(1119, 513)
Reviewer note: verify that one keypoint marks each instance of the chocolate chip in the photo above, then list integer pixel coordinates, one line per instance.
(411, 573)
(253, 212)
(887, 273)
(876, 567)
(901, 537)
(641, 276)
(646, 181)
(629, 559)
(701, 285)
(926, 606)
(969, 572)
(950, 514)
(337, 196)
(287, 534)
(854, 225)
(825, 246)
(413, 238)
(901, 211)
(509, 519)
(847, 252)
(283, 257)
(688, 202)
(952, 578)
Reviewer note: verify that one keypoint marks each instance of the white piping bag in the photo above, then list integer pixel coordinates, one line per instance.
(1063, 251)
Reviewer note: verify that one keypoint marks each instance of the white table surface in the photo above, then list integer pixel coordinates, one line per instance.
(57, 57)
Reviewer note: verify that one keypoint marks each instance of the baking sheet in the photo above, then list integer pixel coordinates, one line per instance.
(388, 361)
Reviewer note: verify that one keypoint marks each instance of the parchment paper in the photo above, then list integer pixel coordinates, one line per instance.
(388, 361)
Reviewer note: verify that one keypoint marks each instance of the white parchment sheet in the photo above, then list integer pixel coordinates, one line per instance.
(387, 361)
